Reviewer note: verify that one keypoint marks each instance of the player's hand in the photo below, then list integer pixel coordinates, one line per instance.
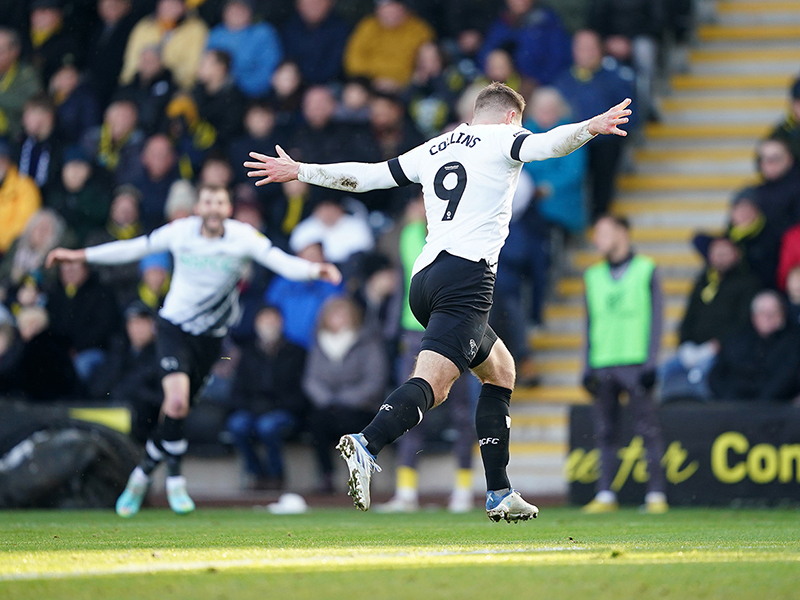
(609, 121)
(272, 170)
(60, 255)
(329, 272)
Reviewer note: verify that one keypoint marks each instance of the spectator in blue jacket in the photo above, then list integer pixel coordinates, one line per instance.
(559, 186)
(315, 38)
(540, 42)
(254, 47)
(589, 84)
(301, 301)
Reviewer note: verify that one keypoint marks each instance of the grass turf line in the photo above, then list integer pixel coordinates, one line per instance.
(242, 554)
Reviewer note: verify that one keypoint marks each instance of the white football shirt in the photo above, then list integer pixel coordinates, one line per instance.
(203, 295)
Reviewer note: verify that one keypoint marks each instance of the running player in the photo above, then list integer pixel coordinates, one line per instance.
(210, 251)
(468, 178)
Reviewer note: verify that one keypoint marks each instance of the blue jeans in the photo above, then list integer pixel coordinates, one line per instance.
(270, 429)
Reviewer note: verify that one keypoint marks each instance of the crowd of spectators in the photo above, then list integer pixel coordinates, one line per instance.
(111, 111)
(740, 335)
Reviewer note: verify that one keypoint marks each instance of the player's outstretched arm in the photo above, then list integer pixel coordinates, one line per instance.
(608, 123)
(348, 177)
(59, 255)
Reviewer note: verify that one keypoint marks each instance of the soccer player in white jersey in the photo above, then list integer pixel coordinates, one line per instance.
(210, 252)
(468, 179)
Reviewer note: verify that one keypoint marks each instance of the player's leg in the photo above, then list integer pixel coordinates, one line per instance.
(172, 440)
(605, 409)
(493, 426)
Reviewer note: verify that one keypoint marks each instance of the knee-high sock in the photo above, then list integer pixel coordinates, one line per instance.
(173, 444)
(402, 410)
(493, 425)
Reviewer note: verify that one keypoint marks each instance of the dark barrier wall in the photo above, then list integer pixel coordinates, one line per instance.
(714, 455)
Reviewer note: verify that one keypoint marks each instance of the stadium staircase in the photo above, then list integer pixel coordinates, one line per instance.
(684, 175)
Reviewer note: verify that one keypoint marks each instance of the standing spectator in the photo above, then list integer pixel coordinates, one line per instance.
(152, 89)
(217, 99)
(778, 195)
(115, 145)
(719, 303)
(345, 378)
(50, 44)
(383, 47)
(540, 42)
(19, 198)
(19, 82)
(315, 38)
(760, 361)
(80, 197)
(106, 47)
(559, 187)
(301, 301)
(40, 153)
(760, 244)
(132, 375)
(77, 109)
(180, 36)
(255, 48)
(632, 27)
(158, 171)
(587, 86)
(789, 129)
(269, 399)
(623, 337)
(84, 311)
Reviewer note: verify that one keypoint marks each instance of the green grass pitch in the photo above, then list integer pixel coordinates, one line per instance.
(341, 553)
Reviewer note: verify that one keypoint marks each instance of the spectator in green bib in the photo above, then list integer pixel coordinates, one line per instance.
(623, 336)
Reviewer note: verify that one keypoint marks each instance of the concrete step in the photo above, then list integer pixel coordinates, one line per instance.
(667, 257)
(697, 167)
(692, 154)
(723, 103)
(698, 182)
(734, 53)
(545, 341)
(720, 132)
(745, 67)
(551, 394)
(752, 32)
(719, 116)
(573, 286)
(576, 313)
(706, 82)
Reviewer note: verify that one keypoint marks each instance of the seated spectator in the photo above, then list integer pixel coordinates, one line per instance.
(181, 37)
(254, 48)
(789, 130)
(383, 47)
(392, 133)
(718, 305)
(268, 398)
(192, 136)
(77, 109)
(216, 172)
(320, 139)
(123, 224)
(45, 230)
(106, 46)
(85, 312)
(259, 136)
(587, 86)
(793, 295)
(180, 201)
(50, 44)
(345, 378)
(500, 67)
(559, 187)
(353, 108)
(152, 89)
(315, 37)
(155, 271)
(789, 255)
(116, 144)
(40, 150)
(288, 90)
(341, 234)
(20, 82)
(778, 195)
(430, 96)
(44, 370)
(217, 99)
(159, 170)
(300, 301)
(131, 375)
(19, 198)
(81, 197)
(760, 361)
(540, 42)
(634, 27)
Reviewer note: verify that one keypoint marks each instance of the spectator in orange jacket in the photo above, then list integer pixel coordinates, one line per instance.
(19, 199)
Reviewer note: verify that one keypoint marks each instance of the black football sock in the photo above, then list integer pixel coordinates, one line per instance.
(493, 426)
(153, 455)
(173, 443)
(402, 410)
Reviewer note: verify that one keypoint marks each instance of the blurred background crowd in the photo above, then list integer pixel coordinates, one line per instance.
(112, 111)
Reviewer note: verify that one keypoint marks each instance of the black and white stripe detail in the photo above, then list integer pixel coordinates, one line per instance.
(517, 146)
(397, 173)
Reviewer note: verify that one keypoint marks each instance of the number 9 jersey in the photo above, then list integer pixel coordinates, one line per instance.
(468, 177)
